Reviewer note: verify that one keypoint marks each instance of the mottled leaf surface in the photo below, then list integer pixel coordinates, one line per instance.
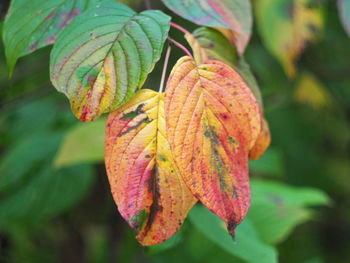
(230, 14)
(32, 24)
(208, 43)
(213, 120)
(150, 193)
(344, 10)
(105, 55)
(287, 26)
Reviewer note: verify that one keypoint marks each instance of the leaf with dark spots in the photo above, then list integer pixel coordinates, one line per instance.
(214, 169)
(145, 182)
(133, 114)
(132, 127)
(208, 43)
(34, 24)
(122, 45)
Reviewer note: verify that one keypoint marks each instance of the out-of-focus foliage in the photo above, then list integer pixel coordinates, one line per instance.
(286, 26)
(65, 213)
(84, 143)
(344, 10)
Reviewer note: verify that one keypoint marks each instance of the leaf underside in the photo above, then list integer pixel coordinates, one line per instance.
(230, 14)
(105, 55)
(31, 25)
(150, 194)
(213, 120)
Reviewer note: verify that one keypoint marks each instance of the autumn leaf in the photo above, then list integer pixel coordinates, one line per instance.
(234, 15)
(34, 24)
(287, 26)
(213, 120)
(208, 43)
(262, 143)
(145, 183)
(105, 55)
(309, 90)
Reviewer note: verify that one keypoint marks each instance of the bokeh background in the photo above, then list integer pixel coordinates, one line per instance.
(55, 203)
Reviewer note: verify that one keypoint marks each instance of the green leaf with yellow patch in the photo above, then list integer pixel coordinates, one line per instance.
(105, 55)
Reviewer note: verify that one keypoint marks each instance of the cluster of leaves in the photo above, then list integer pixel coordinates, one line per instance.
(163, 152)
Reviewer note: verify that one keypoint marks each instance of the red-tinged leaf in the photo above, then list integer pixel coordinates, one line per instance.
(213, 120)
(33, 24)
(150, 194)
(262, 143)
(235, 15)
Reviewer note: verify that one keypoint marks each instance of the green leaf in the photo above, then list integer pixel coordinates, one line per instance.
(277, 208)
(105, 55)
(33, 24)
(344, 10)
(47, 194)
(270, 164)
(248, 246)
(286, 26)
(26, 156)
(231, 14)
(214, 45)
(84, 143)
(31, 189)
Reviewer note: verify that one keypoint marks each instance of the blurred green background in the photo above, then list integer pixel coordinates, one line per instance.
(55, 203)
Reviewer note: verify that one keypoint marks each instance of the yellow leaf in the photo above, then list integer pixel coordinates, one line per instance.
(145, 183)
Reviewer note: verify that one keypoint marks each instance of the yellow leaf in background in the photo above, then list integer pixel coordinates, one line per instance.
(286, 27)
(311, 91)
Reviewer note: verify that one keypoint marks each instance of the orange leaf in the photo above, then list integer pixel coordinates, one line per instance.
(262, 143)
(150, 194)
(213, 120)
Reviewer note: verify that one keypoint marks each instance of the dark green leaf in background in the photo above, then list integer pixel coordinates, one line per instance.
(247, 246)
(32, 24)
(277, 208)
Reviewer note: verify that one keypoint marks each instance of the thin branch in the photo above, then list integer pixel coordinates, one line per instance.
(166, 61)
(188, 53)
(178, 27)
